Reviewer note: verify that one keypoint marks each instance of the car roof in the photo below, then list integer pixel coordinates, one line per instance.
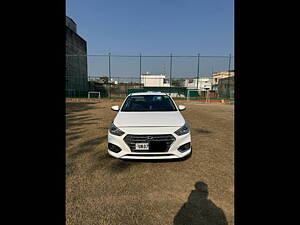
(148, 93)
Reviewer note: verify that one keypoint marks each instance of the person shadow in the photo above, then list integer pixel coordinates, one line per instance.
(199, 209)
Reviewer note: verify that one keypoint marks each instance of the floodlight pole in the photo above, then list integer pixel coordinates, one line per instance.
(109, 74)
(140, 70)
(198, 72)
(228, 76)
(171, 70)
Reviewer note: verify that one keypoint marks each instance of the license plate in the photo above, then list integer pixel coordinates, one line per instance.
(142, 146)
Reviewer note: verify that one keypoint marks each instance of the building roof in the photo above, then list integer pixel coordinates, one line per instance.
(149, 74)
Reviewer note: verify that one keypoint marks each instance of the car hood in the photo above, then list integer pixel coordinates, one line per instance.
(149, 119)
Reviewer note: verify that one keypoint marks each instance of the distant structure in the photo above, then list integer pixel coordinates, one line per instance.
(154, 80)
(217, 76)
(204, 83)
(76, 66)
(226, 87)
(223, 83)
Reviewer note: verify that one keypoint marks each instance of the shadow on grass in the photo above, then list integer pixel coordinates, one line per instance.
(71, 115)
(70, 168)
(114, 165)
(72, 138)
(88, 146)
(73, 118)
(109, 163)
(73, 133)
(85, 118)
(157, 160)
(72, 107)
(201, 131)
(199, 209)
(102, 159)
(71, 125)
(120, 166)
(78, 129)
(93, 142)
(74, 121)
(104, 128)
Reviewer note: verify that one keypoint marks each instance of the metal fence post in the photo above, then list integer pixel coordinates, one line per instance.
(109, 75)
(198, 72)
(140, 70)
(79, 66)
(228, 89)
(171, 70)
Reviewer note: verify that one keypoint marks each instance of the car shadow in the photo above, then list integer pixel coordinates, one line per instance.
(104, 161)
(199, 209)
(120, 166)
(158, 160)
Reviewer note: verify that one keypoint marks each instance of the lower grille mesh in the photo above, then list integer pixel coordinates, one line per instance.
(157, 143)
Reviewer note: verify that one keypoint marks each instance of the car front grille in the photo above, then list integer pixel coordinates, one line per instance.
(157, 143)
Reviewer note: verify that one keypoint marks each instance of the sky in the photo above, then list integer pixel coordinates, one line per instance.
(155, 27)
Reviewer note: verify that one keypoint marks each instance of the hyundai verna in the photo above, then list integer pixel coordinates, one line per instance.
(149, 125)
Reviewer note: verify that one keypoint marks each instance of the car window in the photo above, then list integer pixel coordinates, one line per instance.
(148, 103)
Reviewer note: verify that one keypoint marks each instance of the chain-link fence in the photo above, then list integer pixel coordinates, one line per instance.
(114, 76)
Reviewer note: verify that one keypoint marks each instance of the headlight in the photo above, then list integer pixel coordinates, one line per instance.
(183, 130)
(116, 131)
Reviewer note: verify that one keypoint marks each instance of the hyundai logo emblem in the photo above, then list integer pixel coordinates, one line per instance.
(149, 137)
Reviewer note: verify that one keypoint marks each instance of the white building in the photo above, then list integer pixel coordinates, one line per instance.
(154, 80)
(204, 83)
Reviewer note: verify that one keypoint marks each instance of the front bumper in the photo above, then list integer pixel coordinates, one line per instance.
(172, 153)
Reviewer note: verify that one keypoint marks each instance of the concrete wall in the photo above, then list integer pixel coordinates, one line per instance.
(76, 66)
(71, 24)
(226, 87)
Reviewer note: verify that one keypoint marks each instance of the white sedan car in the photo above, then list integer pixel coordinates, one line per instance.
(149, 125)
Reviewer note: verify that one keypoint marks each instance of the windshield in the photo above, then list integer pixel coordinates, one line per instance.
(148, 103)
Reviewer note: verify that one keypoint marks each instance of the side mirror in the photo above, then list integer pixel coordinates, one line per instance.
(115, 108)
(181, 107)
